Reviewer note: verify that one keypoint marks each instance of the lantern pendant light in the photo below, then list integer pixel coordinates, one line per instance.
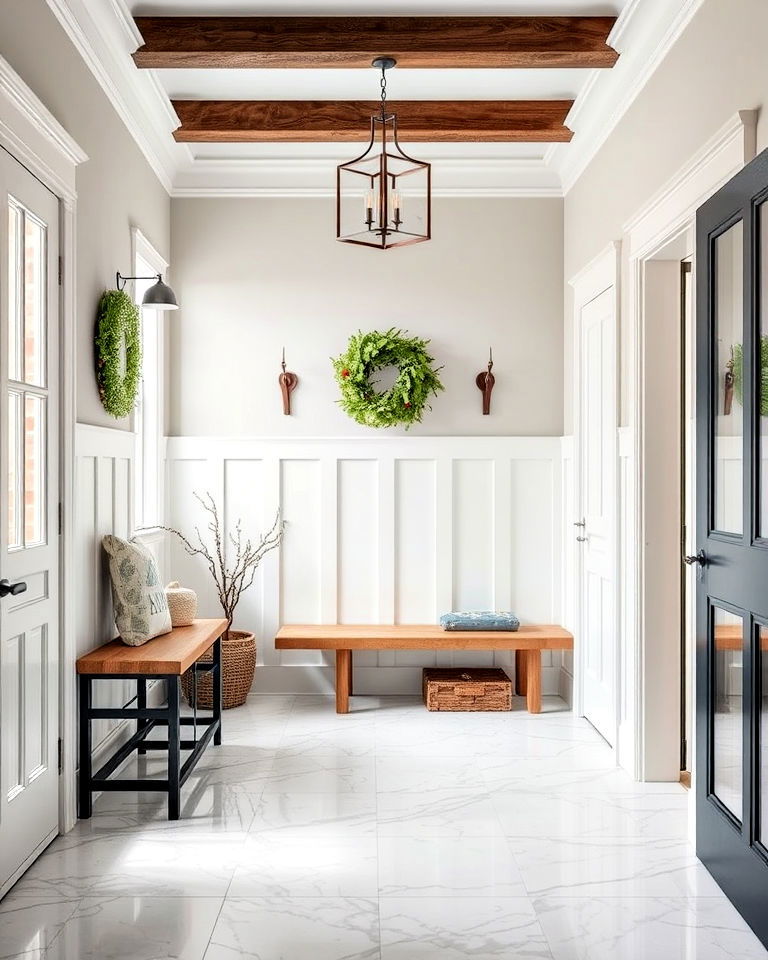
(383, 197)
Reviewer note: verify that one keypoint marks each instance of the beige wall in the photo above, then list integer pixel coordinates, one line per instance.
(256, 275)
(717, 67)
(116, 187)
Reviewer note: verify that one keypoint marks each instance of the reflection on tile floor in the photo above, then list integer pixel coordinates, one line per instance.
(387, 834)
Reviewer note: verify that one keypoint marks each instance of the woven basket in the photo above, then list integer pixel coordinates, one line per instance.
(464, 690)
(238, 660)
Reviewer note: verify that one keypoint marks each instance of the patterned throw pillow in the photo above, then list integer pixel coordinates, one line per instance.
(480, 620)
(141, 609)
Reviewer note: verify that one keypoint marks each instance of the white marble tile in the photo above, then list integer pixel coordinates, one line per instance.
(29, 925)
(284, 866)
(424, 774)
(448, 867)
(440, 813)
(137, 928)
(485, 928)
(583, 867)
(553, 775)
(296, 929)
(344, 742)
(533, 814)
(322, 774)
(316, 815)
(638, 928)
(152, 863)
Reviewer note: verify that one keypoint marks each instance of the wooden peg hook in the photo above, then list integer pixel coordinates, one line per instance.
(485, 382)
(287, 381)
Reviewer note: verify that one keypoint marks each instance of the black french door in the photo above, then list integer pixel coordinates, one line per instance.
(732, 539)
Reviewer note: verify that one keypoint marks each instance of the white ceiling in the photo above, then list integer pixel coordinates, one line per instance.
(105, 33)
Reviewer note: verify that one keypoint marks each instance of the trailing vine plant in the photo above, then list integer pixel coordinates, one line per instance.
(408, 397)
(118, 334)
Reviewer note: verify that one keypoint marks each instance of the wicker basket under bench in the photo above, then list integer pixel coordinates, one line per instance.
(457, 691)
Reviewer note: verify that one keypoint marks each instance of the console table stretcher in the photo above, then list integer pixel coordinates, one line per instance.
(527, 642)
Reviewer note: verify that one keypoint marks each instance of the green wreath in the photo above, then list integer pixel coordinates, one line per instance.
(117, 325)
(738, 374)
(406, 399)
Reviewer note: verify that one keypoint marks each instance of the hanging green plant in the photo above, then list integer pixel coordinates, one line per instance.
(118, 334)
(738, 374)
(406, 400)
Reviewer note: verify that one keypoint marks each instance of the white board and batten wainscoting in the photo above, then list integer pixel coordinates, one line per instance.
(387, 530)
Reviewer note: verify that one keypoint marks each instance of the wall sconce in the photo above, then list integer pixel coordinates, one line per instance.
(157, 297)
(287, 381)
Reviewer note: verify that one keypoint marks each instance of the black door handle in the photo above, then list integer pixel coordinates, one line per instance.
(700, 558)
(14, 589)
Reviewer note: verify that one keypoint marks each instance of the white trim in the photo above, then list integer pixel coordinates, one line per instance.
(309, 192)
(105, 35)
(644, 34)
(144, 248)
(599, 275)
(30, 133)
(668, 214)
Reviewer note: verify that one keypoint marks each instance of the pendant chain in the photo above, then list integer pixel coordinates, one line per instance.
(383, 93)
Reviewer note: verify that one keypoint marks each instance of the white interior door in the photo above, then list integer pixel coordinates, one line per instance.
(29, 498)
(597, 529)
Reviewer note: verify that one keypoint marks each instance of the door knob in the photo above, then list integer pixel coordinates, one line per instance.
(14, 589)
(700, 558)
(581, 539)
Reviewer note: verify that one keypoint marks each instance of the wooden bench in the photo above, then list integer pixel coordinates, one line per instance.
(527, 642)
(163, 658)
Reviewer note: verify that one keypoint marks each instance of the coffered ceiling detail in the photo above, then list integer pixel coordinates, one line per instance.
(506, 98)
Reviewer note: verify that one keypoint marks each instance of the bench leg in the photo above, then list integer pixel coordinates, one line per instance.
(141, 703)
(174, 749)
(528, 675)
(217, 680)
(85, 798)
(343, 680)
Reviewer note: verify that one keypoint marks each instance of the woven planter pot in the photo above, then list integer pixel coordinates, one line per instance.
(238, 660)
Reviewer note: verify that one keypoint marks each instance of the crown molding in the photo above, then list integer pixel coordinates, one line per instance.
(35, 137)
(644, 34)
(105, 36)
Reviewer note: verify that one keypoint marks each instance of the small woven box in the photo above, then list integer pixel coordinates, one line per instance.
(182, 602)
(464, 690)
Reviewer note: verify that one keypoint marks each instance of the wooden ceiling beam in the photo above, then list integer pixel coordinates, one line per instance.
(416, 42)
(315, 121)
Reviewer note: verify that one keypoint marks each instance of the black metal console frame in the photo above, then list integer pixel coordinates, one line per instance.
(147, 719)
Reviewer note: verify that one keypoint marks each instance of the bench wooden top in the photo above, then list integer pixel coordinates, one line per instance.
(171, 653)
(402, 636)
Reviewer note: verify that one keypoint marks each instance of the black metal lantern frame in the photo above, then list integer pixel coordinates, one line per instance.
(383, 197)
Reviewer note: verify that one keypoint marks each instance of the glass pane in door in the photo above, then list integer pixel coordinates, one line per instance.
(15, 471)
(34, 470)
(34, 300)
(762, 354)
(728, 420)
(15, 243)
(727, 733)
(763, 736)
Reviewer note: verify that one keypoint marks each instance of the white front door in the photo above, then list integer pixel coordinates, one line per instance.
(29, 534)
(597, 534)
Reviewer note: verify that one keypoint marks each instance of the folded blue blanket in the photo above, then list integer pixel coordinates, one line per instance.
(480, 620)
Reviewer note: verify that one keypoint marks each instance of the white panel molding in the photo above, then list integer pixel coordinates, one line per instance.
(644, 34)
(508, 556)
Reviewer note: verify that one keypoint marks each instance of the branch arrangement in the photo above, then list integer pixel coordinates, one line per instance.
(234, 577)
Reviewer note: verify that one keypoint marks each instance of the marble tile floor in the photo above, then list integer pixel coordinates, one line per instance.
(386, 834)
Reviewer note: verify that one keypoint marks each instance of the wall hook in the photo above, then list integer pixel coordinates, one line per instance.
(287, 381)
(485, 382)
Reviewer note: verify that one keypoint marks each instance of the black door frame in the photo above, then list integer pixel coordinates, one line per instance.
(734, 575)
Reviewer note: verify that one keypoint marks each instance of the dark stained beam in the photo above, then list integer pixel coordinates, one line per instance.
(419, 42)
(299, 121)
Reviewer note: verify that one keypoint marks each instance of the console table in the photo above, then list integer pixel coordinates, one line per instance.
(163, 658)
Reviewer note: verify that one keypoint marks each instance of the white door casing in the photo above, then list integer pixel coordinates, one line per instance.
(595, 383)
(29, 534)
